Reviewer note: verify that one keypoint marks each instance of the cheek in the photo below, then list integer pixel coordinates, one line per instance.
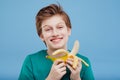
(65, 32)
(46, 36)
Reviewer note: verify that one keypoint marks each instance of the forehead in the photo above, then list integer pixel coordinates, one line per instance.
(52, 21)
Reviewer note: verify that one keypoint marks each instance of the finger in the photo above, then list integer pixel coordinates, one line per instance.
(75, 63)
(70, 67)
(69, 62)
(79, 59)
(62, 69)
(80, 64)
(60, 65)
(70, 59)
(58, 62)
(63, 72)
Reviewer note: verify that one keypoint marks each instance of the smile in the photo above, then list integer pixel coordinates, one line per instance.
(56, 39)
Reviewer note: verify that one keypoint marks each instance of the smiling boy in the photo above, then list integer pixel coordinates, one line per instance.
(55, 33)
(54, 28)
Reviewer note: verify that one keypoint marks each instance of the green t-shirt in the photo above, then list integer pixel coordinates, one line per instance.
(37, 67)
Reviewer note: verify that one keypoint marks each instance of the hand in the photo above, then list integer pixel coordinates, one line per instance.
(58, 70)
(75, 73)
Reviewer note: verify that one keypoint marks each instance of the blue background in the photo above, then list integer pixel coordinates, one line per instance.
(95, 23)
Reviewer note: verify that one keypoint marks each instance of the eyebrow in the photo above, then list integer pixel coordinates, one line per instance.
(61, 23)
(45, 26)
(57, 24)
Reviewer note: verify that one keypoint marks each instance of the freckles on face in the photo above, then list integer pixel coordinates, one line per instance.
(54, 31)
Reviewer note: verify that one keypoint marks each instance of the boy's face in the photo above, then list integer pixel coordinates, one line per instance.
(55, 33)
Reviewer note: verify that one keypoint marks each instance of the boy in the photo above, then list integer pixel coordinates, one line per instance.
(54, 28)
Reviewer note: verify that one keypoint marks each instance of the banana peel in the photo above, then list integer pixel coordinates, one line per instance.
(67, 55)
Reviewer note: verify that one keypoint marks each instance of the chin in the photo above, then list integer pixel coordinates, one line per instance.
(58, 47)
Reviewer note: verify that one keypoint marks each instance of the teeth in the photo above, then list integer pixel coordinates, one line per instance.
(56, 40)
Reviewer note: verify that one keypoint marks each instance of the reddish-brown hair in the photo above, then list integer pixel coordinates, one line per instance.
(48, 12)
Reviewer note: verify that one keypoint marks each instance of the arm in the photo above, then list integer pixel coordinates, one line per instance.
(88, 74)
(26, 71)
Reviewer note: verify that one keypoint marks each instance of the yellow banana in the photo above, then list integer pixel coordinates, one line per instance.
(62, 57)
(65, 55)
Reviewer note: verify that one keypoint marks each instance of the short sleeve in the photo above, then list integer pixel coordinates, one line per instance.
(26, 71)
(88, 73)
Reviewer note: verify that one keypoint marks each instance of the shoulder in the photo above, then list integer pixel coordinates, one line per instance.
(86, 59)
(83, 57)
(37, 55)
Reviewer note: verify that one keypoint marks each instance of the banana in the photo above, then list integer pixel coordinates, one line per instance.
(65, 55)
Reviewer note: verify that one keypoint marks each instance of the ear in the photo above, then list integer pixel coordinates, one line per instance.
(41, 37)
(69, 31)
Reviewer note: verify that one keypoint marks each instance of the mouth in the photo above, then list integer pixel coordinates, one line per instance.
(56, 39)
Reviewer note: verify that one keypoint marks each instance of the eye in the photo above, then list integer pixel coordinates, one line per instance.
(47, 29)
(60, 27)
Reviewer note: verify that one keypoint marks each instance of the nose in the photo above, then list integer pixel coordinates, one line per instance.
(55, 32)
